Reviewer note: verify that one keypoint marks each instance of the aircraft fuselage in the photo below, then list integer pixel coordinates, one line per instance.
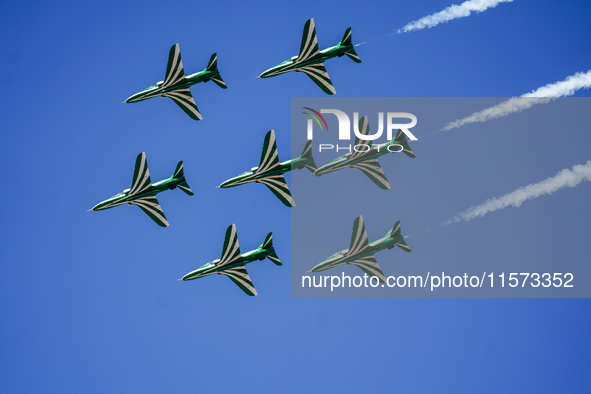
(341, 257)
(158, 90)
(293, 65)
(125, 197)
(214, 267)
(392, 146)
(252, 176)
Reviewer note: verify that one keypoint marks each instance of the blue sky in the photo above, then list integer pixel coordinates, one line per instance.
(90, 301)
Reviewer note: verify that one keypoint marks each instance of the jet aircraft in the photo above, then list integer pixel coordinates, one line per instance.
(176, 85)
(270, 171)
(361, 252)
(311, 60)
(143, 192)
(366, 159)
(232, 261)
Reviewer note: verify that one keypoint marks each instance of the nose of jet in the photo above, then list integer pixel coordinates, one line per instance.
(99, 206)
(320, 171)
(230, 183)
(265, 74)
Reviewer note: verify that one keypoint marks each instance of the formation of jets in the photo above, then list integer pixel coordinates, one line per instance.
(361, 251)
(270, 170)
(232, 261)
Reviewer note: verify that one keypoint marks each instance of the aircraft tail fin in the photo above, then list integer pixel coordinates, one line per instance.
(180, 173)
(347, 37)
(268, 244)
(401, 139)
(351, 52)
(307, 154)
(396, 233)
(213, 66)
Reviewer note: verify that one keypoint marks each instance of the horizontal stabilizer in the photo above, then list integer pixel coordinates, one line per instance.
(213, 66)
(184, 186)
(396, 234)
(179, 173)
(353, 55)
(401, 139)
(274, 258)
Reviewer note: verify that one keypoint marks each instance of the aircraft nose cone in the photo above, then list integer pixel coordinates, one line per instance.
(98, 206)
(265, 74)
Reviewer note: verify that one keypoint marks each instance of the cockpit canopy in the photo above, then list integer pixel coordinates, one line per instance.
(253, 169)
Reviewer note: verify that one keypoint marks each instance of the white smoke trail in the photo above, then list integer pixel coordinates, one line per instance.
(565, 178)
(452, 12)
(542, 95)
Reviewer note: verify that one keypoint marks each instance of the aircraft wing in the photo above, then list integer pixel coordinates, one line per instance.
(358, 237)
(319, 75)
(174, 69)
(309, 46)
(151, 206)
(374, 171)
(231, 250)
(370, 266)
(278, 186)
(184, 99)
(241, 278)
(363, 128)
(269, 156)
(141, 175)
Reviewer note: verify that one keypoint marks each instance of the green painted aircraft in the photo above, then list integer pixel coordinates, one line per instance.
(311, 60)
(366, 158)
(176, 85)
(270, 171)
(232, 261)
(143, 192)
(361, 252)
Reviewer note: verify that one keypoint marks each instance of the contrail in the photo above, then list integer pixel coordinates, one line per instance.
(542, 95)
(450, 13)
(566, 177)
